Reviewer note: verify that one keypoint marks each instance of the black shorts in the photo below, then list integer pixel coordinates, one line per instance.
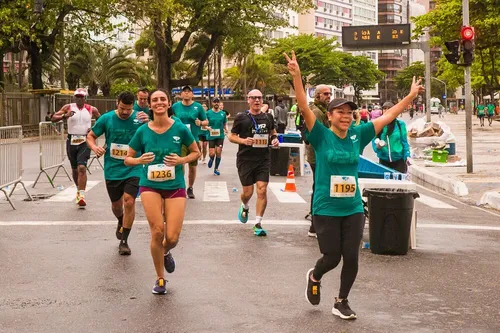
(332, 231)
(116, 188)
(251, 172)
(78, 154)
(215, 143)
(202, 137)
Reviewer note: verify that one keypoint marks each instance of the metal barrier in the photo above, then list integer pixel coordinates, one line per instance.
(52, 149)
(93, 156)
(11, 160)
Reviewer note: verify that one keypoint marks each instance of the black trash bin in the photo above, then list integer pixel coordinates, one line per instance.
(279, 161)
(390, 212)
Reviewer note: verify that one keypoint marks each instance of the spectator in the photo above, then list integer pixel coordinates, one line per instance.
(281, 116)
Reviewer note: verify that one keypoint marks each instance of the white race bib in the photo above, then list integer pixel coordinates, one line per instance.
(77, 140)
(261, 140)
(160, 172)
(188, 126)
(118, 151)
(342, 186)
(214, 132)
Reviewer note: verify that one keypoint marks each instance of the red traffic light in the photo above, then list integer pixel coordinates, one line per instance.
(467, 33)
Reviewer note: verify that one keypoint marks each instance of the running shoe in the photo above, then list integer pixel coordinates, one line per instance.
(243, 214)
(210, 162)
(312, 232)
(159, 287)
(203, 161)
(124, 249)
(258, 231)
(190, 193)
(81, 201)
(343, 310)
(77, 200)
(119, 230)
(216, 172)
(313, 289)
(169, 262)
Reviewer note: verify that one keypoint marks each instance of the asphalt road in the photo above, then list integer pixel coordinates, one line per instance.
(61, 271)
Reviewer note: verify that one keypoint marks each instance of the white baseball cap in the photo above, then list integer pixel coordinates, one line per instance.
(80, 92)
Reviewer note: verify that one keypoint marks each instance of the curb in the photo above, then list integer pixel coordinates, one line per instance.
(491, 199)
(442, 182)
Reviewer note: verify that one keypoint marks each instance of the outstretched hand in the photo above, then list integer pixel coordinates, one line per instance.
(416, 87)
(293, 65)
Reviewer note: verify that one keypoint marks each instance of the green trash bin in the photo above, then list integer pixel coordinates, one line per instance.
(390, 213)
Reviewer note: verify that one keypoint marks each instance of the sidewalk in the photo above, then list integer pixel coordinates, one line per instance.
(481, 186)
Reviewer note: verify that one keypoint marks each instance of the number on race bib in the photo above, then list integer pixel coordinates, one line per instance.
(161, 173)
(215, 132)
(119, 151)
(342, 186)
(78, 139)
(260, 141)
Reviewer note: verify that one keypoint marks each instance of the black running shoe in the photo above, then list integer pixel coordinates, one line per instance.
(124, 249)
(119, 230)
(169, 262)
(313, 293)
(343, 310)
(190, 193)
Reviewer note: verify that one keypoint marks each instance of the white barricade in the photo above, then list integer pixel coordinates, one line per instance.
(11, 161)
(52, 149)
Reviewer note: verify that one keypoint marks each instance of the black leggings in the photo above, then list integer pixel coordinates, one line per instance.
(339, 237)
(313, 168)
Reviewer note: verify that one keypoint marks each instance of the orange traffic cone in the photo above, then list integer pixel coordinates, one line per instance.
(290, 180)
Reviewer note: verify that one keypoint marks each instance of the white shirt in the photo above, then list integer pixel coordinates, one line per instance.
(81, 121)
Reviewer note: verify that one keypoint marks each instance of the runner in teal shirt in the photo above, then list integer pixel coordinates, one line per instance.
(122, 182)
(337, 208)
(193, 115)
(162, 187)
(141, 104)
(217, 128)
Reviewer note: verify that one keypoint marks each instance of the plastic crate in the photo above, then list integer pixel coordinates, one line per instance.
(291, 138)
(439, 156)
(369, 169)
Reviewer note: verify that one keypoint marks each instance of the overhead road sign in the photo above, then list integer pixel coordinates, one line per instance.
(376, 35)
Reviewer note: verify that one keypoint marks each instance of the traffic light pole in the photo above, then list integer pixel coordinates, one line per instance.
(468, 96)
(427, 57)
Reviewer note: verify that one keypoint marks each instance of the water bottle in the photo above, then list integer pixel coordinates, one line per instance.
(60, 188)
(307, 169)
(366, 239)
(235, 189)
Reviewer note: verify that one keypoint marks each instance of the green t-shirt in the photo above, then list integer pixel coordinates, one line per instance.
(118, 133)
(146, 140)
(188, 116)
(337, 157)
(491, 109)
(216, 120)
(480, 110)
(138, 108)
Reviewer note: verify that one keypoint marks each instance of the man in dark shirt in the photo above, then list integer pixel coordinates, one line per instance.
(253, 131)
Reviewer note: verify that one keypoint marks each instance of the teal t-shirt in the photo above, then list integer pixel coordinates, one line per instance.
(146, 140)
(338, 157)
(188, 116)
(118, 133)
(480, 110)
(491, 109)
(217, 121)
(138, 108)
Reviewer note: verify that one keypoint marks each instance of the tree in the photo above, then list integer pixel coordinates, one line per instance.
(445, 23)
(22, 29)
(403, 79)
(361, 73)
(319, 62)
(218, 19)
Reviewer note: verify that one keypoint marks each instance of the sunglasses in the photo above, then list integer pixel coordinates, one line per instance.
(255, 97)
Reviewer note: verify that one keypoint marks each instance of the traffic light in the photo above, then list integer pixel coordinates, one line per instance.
(467, 43)
(454, 47)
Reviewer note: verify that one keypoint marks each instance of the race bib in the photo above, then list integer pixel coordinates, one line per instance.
(215, 132)
(78, 139)
(342, 186)
(188, 126)
(161, 173)
(118, 151)
(260, 141)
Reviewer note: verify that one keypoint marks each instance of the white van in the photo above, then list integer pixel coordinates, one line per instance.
(436, 105)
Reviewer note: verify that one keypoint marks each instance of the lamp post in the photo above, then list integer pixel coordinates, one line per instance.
(445, 99)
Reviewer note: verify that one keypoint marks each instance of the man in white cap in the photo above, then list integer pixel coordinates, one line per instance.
(79, 116)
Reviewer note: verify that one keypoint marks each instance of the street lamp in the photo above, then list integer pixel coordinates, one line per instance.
(445, 93)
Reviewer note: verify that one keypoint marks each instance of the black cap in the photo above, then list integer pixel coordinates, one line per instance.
(387, 105)
(337, 102)
(187, 88)
(215, 100)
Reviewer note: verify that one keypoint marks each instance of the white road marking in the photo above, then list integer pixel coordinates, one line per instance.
(232, 222)
(215, 191)
(434, 203)
(285, 197)
(69, 194)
